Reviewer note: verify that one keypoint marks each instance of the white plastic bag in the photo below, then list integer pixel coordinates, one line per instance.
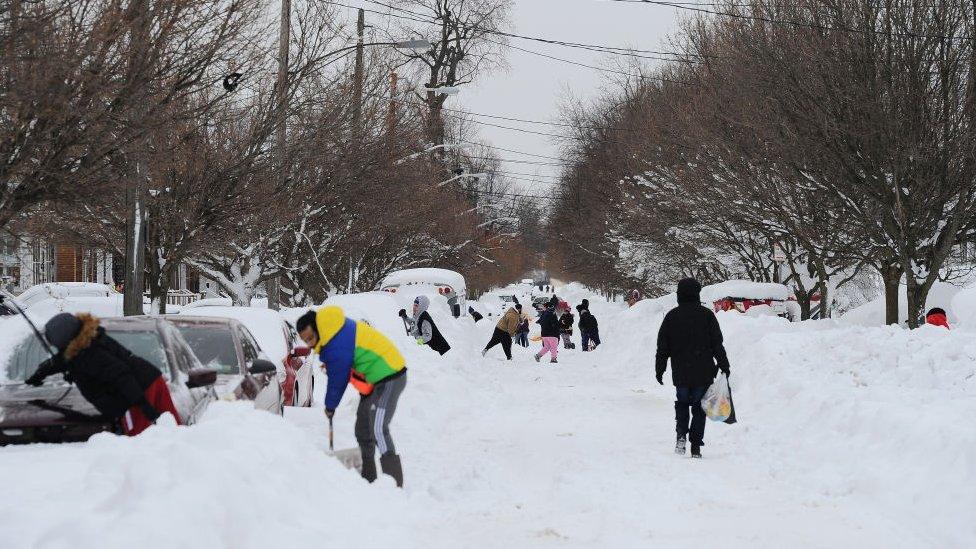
(717, 401)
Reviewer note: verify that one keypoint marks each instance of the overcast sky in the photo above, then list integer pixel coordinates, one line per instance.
(533, 87)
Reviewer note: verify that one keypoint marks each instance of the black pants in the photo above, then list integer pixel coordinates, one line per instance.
(501, 336)
(374, 414)
(689, 398)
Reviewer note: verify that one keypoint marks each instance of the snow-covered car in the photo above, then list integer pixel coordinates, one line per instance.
(63, 290)
(447, 283)
(743, 295)
(56, 411)
(227, 346)
(278, 339)
(8, 304)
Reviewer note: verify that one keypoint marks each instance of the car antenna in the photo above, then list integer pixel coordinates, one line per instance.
(37, 332)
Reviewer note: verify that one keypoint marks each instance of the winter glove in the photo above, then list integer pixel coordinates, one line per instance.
(420, 341)
(36, 380)
(403, 313)
(660, 377)
(329, 413)
(727, 372)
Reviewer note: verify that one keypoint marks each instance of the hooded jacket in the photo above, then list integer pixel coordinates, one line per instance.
(587, 322)
(509, 322)
(566, 321)
(353, 352)
(422, 327)
(549, 323)
(691, 338)
(107, 374)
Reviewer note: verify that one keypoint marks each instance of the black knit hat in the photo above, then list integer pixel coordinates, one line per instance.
(61, 329)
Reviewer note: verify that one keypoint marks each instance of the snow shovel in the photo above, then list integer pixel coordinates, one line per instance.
(351, 458)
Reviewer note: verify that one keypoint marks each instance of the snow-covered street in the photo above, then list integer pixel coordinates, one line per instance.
(846, 437)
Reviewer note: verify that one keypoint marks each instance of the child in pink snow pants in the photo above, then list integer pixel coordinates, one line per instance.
(549, 345)
(550, 332)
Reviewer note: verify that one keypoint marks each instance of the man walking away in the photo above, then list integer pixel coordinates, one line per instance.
(504, 330)
(355, 353)
(550, 333)
(566, 321)
(589, 328)
(422, 327)
(691, 337)
(122, 386)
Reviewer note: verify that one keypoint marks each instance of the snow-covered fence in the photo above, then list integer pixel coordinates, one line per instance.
(181, 297)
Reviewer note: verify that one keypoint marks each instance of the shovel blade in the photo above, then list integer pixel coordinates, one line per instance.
(351, 458)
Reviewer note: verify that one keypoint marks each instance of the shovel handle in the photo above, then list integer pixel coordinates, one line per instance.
(331, 436)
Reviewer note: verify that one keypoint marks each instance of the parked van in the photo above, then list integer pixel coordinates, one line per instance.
(447, 283)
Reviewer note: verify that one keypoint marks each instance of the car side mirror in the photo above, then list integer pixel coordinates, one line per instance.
(301, 351)
(202, 377)
(262, 366)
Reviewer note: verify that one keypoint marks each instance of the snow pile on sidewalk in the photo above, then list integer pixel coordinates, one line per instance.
(240, 478)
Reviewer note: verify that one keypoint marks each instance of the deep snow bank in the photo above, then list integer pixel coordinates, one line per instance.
(239, 478)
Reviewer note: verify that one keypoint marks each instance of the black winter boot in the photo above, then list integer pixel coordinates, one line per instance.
(369, 467)
(390, 463)
(679, 447)
(695, 451)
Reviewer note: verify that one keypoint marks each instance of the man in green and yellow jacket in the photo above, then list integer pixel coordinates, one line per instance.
(356, 353)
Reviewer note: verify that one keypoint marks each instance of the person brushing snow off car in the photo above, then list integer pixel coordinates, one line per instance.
(691, 337)
(120, 385)
(355, 353)
(422, 328)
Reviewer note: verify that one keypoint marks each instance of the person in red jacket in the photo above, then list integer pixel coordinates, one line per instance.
(937, 317)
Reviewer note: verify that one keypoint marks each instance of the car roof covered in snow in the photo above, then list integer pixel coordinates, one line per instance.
(63, 290)
(425, 276)
(266, 325)
(744, 289)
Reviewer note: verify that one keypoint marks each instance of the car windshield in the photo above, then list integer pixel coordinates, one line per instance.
(145, 344)
(213, 345)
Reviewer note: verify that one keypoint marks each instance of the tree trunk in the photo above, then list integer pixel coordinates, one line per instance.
(892, 281)
(273, 287)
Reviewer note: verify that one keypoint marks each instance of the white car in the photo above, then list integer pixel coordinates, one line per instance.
(279, 341)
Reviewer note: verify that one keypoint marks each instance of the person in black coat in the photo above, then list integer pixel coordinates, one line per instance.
(692, 339)
(119, 384)
(550, 333)
(422, 327)
(589, 327)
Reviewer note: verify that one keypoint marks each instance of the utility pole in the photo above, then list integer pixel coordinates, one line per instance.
(135, 234)
(357, 92)
(273, 286)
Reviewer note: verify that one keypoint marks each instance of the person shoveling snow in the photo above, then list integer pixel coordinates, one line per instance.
(356, 353)
(422, 328)
(691, 337)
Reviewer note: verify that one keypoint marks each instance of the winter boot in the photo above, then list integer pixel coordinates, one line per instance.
(553, 361)
(369, 467)
(679, 447)
(537, 357)
(484, 352)
(390, 463)
(695, 451)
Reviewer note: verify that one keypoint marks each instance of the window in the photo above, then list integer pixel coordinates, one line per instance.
(144, 344)
(213, 345)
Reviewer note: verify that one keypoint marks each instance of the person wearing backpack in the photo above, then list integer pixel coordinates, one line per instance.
(691, 338)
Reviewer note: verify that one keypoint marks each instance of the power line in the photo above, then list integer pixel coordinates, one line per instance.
(512, 150)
